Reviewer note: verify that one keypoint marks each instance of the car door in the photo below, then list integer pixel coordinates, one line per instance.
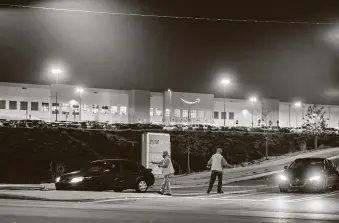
(333, 172)
(329, 173)
(131, 173)
(114, 178)
(102, 175)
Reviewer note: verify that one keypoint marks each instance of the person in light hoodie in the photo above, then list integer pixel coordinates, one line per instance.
(217, 163)
(167, 171)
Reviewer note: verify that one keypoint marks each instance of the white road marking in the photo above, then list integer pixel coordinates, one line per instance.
(206, 185)
(276, 198)
(121, 199)
(189, 194)
(232, 192)
(241, 195)
(226, 193)
(236, 186)
(315, 197)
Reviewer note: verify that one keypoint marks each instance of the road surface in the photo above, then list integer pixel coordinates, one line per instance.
(249, 201)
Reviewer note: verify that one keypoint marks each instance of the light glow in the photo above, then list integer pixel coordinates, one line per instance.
(297, 104)
(315, 178)
(77, 179)
(56, 71)
(79, 89)
(225, 81)
(253, 99)
(283, 177)
(57, 179)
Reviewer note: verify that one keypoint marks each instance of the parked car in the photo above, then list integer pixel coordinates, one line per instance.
(83, 125)
(111, 127)
(25, 123)
(169, 127)
(309, 174)
(75, 125)
(108, 174)
(285, 130)
(240, 129)
(298, 130)
(333, 131)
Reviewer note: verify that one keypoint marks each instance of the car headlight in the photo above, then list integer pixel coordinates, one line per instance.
(314, 178)
(57, 179)
(77, 179)
(283, 177)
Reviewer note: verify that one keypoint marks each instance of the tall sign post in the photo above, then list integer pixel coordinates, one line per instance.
(190, 104)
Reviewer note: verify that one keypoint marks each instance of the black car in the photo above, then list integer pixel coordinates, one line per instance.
(309, 174)
(109, 174)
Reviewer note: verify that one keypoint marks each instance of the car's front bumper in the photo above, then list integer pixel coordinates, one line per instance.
(305, 185)
(70, 186)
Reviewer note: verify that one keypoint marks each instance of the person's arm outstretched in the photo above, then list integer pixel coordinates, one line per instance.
(225, 163)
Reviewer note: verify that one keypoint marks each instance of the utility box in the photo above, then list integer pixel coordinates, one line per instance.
(153, 144)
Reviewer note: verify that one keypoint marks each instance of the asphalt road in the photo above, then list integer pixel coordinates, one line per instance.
(249, 201)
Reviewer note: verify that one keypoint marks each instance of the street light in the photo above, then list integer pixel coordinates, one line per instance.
(56, 72)
(79, 90)
(253, 100)
(170, 97)
(297, 105)
(225, 82)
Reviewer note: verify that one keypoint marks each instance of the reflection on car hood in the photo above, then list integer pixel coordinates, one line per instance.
(302, 173)
(73, 175)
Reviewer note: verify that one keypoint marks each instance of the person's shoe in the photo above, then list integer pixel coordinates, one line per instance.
(168, 194)
(208, 191)
(159, 192)
(220, 192)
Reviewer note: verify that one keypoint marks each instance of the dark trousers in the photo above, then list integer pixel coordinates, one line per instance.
(214, 175)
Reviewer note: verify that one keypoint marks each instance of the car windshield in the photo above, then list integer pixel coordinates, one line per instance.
(96, 167)
(306, 164)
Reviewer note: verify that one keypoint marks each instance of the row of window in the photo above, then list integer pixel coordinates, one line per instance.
(193, 114)
(223, 115)
(13, 105)
(115, 110)
(181, 113)
(95, 109)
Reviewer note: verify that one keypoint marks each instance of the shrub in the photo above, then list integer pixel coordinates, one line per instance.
(26, 155)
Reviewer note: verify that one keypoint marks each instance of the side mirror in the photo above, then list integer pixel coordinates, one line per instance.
(285, 167)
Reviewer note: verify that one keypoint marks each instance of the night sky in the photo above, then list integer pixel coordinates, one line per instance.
(270, 60)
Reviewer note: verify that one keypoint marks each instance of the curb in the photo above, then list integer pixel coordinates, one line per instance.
(22, 187)
(81, 200)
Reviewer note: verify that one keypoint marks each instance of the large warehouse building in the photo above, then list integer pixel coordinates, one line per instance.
(63, 102)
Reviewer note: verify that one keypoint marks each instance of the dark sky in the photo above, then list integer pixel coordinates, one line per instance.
(286, 61)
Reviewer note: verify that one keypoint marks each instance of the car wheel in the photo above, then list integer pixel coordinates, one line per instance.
(283, 190)
(141, 186)
(118, 190)
(336, 186)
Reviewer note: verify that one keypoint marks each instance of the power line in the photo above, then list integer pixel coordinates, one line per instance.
(167, 16)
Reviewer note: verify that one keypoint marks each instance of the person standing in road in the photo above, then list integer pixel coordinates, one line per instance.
(167, 171)
(217, 163)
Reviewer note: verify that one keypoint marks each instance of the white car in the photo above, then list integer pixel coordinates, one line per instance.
(169, 127)
(298, 130)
